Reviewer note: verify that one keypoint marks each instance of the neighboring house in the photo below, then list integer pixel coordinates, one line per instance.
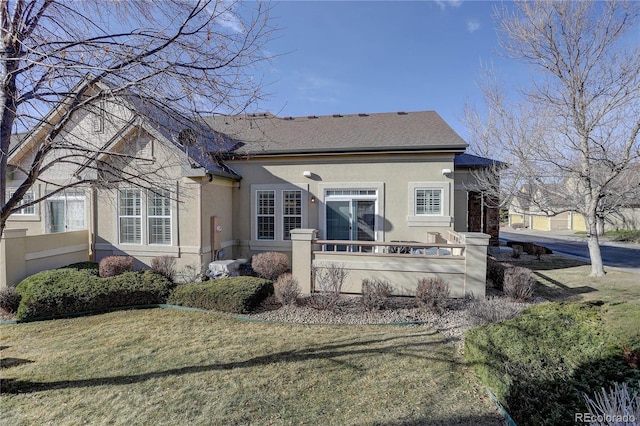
(241, 188)
(528, 212)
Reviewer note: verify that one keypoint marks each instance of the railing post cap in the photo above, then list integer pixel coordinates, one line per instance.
(14, 233)
(299, 234)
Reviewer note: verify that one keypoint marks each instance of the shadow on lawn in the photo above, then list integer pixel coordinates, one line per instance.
(329, 352)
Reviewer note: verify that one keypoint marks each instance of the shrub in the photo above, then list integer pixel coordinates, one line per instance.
(165, 266)
(190, 274)
(92, 267)
(495, 272)
(432, 293)
(541, 362)
(286, 289)
(9, 300)
(619, 401)
(235, 294)
(517, 251)
(111, 266)
(270, 265)
(328, 283)
(519, 284)
(63, 292)
(375, 293)
(491, 310)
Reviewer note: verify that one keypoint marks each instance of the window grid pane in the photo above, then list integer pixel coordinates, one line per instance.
(291, 212)
(159, 217)
(266, 221)
(428, 202)
(130, 220)
(27, 198)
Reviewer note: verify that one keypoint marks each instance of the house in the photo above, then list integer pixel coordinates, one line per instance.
(237, 185)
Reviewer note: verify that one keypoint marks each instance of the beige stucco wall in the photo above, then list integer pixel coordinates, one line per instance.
(390, 174)
(22, 255)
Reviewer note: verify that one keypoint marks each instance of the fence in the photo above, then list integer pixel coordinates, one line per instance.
(461, 261)
(22, 255)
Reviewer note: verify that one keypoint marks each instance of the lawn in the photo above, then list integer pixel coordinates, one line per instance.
(564, 279)
(173, 367)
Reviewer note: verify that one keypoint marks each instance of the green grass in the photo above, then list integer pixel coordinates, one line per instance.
(622, 235)
(567, 280)
(172, 367)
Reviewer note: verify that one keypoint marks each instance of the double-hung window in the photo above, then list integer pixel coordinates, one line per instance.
(291, 212)
(428, 202)
(277, 209)
(130, 216)
(159, 217)
(144, 219)
(266, 214)
(27, 198)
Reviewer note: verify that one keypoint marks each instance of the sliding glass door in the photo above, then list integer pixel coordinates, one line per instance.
(351, 216)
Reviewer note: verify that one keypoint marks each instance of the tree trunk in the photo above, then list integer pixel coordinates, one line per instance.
(597, 268)
(600, 226)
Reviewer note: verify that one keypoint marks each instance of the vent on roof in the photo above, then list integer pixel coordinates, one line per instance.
(363, 115)
(337, 115)
(312, 116)
(402, 113)
(288, 118)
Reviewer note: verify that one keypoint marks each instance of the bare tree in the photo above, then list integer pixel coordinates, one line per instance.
(62, 58)
(572, 134)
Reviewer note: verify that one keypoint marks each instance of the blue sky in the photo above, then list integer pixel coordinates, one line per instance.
(361, 56)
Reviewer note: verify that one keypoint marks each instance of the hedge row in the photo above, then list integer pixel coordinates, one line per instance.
(540, 363)
(237, 294)
(62, 292)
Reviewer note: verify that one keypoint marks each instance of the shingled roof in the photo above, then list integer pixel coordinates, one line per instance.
(266, 134)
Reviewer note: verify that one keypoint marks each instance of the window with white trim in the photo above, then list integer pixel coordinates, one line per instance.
(98, 119)
(291, 212)
(159, 217)
(28, 197)
(130, 216)
(145, 219)
(266, 215)
(428, 202)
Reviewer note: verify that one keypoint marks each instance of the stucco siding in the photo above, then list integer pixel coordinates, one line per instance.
(389, 175)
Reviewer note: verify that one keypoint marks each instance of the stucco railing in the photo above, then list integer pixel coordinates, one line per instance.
(403, 264)
(22, 255)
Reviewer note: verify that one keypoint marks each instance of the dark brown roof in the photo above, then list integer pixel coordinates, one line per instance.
(269, 135)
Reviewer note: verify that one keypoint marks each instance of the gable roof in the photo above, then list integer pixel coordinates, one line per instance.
(154, 117)
(266, 134)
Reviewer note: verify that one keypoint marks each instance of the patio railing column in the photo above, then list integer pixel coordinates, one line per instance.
(301, 257)
(13, 266)
(475, 253)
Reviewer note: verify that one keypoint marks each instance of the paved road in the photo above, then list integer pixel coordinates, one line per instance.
(617, 255)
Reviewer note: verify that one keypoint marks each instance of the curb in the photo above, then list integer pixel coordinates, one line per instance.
(504, 412)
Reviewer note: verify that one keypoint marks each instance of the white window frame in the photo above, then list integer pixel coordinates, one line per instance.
(164, 196)
(270, 213)
(144, 216)
(441, 219)
(287, 214)
(25, 211)
(427, 203)
(279, 240)
(137, 239)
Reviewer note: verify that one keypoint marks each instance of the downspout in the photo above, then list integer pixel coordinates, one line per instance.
(94, 225)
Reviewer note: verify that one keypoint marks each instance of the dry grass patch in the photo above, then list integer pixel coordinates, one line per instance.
(169, 367)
